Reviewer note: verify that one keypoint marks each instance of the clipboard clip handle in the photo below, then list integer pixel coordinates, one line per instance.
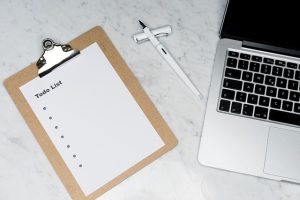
(54, 55)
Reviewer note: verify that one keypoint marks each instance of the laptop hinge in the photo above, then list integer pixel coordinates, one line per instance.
(270, 48)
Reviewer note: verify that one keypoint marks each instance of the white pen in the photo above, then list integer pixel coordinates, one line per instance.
(167, 56)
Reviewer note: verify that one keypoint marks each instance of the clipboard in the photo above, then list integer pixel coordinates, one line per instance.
(95, 35)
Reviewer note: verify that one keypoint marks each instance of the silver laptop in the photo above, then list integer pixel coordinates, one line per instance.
(252, 120)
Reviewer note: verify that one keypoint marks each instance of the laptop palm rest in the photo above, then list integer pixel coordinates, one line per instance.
(283, 153)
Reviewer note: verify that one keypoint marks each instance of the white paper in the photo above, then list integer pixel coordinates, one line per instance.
(90, 107)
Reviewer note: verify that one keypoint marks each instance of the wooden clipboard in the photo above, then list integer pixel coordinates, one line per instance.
(96, 34)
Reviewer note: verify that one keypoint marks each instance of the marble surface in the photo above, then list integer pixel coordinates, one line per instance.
(25, 172)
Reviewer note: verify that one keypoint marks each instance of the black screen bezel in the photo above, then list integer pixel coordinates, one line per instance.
(227, 31)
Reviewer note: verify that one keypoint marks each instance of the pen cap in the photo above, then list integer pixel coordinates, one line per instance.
(158, 32)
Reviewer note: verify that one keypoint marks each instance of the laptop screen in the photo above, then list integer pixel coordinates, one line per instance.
(268, 22)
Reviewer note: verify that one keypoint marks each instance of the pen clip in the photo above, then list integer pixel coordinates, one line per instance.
(158, 32)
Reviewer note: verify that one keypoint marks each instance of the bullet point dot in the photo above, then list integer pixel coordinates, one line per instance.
(74, 156)
(62, 136)
(56, 127)
(44, 108)
(80, 165)
(68, 146)
(50, 117)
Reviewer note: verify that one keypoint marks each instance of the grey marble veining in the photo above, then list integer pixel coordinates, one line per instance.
(25, 172)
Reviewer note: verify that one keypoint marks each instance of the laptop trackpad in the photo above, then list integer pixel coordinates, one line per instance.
(283, 153)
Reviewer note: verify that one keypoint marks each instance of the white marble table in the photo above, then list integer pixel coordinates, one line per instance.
(25, 172)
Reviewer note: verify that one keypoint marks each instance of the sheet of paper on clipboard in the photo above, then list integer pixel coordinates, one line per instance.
(90, 116)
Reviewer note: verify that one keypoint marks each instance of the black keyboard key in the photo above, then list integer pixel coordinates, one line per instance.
(271, 91)
(297, 107)
(280, 62)
(252, 98)
(294, 96)
(266, 69)
(281, 82)
(297, 75)
(224, 105)
(288, 73)
(243, 64)
(283, 94)
(261, 112)
(247, 76)
(258, 78)
(277, 71)
(233, 73)
(248, 110)
(276, 103)
(270, 80)
(248, 87)
(232, 84)
(260, 89)
(292, 65)
(287, 105)
(227, 94)
(236, 108)
(256, 58)
(241, 96)
(254, 66)
(268, 61)
(264, 101)
(231, 62)
(293, 85)
(284, 117)
(233, 54)
(245, 56)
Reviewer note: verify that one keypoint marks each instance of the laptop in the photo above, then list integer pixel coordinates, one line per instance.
(252, 120)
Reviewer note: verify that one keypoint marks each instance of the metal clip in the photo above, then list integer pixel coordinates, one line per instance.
(54, 55)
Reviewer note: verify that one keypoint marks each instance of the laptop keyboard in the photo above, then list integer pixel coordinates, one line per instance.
(261, 87)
